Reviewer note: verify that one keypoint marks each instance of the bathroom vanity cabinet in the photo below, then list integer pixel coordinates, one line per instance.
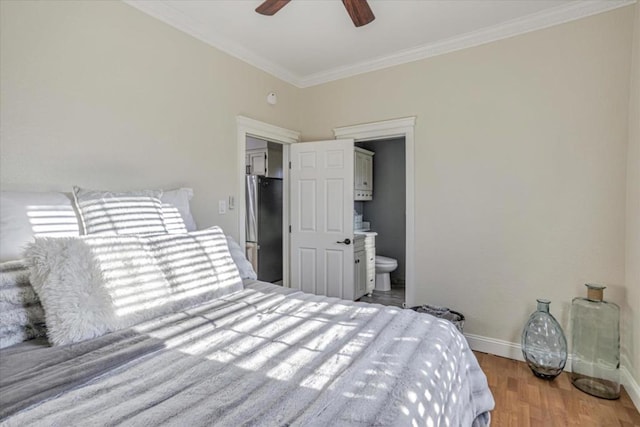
(365, 262)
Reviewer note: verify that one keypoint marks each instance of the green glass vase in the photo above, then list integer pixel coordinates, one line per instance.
(595, 344)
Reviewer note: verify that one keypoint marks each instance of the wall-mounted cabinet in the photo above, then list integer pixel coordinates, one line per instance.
(363, 174)
(264, 161)
(256, 161)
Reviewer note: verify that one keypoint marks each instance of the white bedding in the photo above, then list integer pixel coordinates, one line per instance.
(265, 355)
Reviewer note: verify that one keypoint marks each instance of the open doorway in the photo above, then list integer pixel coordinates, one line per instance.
(384, 216)
(386, 130)
(247, 127)
(264, 202)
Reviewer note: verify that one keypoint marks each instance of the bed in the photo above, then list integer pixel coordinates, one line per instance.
(236, 351)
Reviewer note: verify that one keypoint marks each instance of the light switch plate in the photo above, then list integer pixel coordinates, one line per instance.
(222, 206)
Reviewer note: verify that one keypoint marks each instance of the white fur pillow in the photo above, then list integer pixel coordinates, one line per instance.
(92, 285)
(96, 284)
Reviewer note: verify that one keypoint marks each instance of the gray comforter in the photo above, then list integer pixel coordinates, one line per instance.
(262, 356)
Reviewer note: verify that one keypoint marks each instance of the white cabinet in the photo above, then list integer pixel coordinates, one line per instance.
(256, 161)
(360, 268)
(363, 174)
(370, 255)
(364, 252)
(265, 161)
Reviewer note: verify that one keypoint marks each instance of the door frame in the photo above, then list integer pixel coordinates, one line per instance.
(396, 128)
(250, 127)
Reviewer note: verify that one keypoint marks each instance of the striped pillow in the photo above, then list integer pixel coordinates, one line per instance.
(133, 212)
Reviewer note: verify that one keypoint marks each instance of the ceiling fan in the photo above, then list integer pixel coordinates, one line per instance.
(358, 10)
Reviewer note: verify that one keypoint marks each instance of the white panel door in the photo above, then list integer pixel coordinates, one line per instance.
(321, 186)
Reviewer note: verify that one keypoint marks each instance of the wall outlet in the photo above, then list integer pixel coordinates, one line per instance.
(222, 206)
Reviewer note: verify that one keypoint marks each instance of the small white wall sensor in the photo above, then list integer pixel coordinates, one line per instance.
(272, 98)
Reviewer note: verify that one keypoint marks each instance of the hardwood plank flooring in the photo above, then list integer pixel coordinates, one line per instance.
(525, 400)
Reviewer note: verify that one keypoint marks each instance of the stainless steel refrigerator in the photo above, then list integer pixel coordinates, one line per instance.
(264, 224)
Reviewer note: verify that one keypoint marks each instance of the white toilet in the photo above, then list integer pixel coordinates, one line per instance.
(384, 266)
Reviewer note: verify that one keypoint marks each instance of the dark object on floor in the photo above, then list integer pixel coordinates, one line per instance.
(442, 313)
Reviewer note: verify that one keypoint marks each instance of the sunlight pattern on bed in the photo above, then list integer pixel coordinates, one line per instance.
(270, 356)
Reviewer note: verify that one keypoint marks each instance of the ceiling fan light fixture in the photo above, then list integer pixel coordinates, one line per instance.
(359, 10)
(270, 7)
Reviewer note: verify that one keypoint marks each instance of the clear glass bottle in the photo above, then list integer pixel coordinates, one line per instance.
(544, 345)
(595, 351)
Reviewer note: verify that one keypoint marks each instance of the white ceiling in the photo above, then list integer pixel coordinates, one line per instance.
(309, 42)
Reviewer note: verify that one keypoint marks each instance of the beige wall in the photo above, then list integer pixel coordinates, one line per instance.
(521, 144)
(632, 338)
(521, 157)
(100, 95)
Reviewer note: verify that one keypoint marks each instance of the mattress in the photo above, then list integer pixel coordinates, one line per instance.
(265, 355)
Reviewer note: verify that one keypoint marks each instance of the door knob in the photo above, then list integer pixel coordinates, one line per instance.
(345, 242)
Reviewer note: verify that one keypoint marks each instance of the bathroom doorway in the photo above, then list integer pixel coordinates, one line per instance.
(390, 129)
(385, 214)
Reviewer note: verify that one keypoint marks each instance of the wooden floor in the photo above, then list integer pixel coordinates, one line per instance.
(524, 400)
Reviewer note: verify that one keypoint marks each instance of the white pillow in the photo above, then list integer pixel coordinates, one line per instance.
(178, 199)
(244, 266)
(91, 285)
(25, 215)
(131, 212)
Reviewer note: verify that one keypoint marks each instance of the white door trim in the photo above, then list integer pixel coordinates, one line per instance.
(404, 127)
(246, 126)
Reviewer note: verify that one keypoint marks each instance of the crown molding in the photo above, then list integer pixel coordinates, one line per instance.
(203, 32)
(537, 21)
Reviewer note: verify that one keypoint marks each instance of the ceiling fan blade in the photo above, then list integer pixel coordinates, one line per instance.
(359, 11)
(270, 7)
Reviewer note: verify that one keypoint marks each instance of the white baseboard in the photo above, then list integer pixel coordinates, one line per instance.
(502, 348)
(513, 350)
(630, 384)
